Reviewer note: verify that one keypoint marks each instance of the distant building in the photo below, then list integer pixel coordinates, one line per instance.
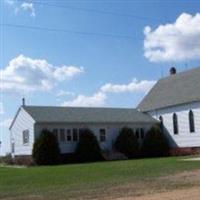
(174, 102)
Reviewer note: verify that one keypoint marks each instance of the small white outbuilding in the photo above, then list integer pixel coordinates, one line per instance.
(68, 122)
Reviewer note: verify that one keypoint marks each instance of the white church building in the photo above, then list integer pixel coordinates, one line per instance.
(174, 102)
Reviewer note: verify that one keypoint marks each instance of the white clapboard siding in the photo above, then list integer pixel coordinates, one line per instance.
(112, 131)
(23, 121)
(184, 138)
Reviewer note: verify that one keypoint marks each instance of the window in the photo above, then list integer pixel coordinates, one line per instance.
(69, 136)
(175, 123)
(137, 133)
(13, 147)
(81, 130)
(142, 133)
(25, 137)
(62, 135)
(102, 132)
(191, 122)
(161, 121)
(75, 135)
(55, 132)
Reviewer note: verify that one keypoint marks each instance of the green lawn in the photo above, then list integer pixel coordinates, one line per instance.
(91, 180)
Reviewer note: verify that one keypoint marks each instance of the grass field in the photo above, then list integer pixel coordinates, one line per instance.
(95, 180)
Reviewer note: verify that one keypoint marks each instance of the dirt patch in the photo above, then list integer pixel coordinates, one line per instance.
(192, 177)
(182, 186)
(184, 194)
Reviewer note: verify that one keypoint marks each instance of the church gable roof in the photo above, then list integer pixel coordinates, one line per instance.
(176, 89)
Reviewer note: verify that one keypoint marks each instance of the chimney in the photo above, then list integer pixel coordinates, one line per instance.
(172, 71)
(23, 101)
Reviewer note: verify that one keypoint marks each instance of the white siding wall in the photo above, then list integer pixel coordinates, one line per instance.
(112, 131)
(184, 138)
(22, 122)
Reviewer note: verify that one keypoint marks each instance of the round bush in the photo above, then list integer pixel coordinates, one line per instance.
(46, 150)
(127, 143)
(155, 143)
(88, 149)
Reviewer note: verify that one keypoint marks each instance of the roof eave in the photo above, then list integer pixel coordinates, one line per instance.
(169, 106)
(97, 122)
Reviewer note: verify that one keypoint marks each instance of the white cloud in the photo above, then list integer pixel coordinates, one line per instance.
(64, 93)
(68, 72)
(28, 7)
(177, 41)
(6, 123)
(1, 108)
(27, 74)
(21, 6)
(135, 86)
(98, 99)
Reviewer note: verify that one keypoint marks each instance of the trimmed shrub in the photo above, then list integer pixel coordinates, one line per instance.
(46, 150)
(88, 149)
(155, 143)
(127, 143)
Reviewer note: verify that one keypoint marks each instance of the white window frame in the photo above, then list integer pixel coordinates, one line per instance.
(25, 137)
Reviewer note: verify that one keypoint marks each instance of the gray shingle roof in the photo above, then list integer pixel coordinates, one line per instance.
(87, 115)
(177, 89)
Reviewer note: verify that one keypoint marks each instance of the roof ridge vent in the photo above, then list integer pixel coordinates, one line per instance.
(172, 71)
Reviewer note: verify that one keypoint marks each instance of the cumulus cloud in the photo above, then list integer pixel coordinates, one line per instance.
(27, 74)
(177, 41)
(134, 86)
(98, 99)
(6, 123)
(21, 6)
(64, 93)
(28, 7)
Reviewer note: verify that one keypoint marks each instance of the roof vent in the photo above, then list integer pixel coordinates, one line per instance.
(172, 71)
(23, 101)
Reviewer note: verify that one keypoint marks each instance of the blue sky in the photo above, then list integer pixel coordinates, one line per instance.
(101, 53)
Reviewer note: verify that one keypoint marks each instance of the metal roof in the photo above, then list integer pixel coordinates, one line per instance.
(181, 88)
(87, 115)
